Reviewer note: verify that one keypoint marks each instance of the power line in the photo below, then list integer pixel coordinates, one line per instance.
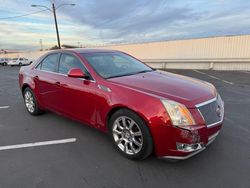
(23, 15)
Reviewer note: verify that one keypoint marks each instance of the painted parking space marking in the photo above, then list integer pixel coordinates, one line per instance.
(225, 81)
(35, 144)
(247, 72)
(214, 77)
(4, 107)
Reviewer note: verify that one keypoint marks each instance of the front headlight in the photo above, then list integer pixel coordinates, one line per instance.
(179, 114)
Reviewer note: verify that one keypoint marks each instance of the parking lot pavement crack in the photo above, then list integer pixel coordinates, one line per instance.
(86, 181)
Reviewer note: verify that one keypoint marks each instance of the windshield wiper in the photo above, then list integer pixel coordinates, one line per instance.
(128, 74)
(144, 71)
(120, 75)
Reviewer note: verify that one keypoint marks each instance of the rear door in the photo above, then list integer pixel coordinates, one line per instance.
(76, 95)
(46, 83)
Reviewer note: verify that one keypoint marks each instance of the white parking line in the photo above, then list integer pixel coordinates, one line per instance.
(247, 72)
(214, 77)
(4, 107)
(52, 142)
(199, 72)
(231, 83)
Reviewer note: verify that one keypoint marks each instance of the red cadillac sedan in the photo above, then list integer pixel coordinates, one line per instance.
(144, 110)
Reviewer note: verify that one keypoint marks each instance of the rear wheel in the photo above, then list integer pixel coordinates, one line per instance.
(20, 64)
(30, 102)
(130, 134)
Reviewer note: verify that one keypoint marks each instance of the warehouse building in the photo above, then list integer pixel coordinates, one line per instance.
(217, 53)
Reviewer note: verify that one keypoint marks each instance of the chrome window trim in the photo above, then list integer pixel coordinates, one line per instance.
(70, 53)
(64, 75)
(40, 60)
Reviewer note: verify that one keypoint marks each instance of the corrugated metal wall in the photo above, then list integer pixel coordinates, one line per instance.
(205, 48)
(219, 53)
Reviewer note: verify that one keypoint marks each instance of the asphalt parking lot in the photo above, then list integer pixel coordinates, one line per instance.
(91, 161)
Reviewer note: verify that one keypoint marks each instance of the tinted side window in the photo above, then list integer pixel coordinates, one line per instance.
(68, 62)
(49, 63)
(39, 66)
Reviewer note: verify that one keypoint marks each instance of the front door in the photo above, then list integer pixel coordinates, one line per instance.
(76, 95)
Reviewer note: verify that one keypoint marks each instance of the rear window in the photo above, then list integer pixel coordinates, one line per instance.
(49, 63)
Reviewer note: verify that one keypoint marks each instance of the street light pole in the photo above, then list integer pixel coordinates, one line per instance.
(54, 13)
(57, 33)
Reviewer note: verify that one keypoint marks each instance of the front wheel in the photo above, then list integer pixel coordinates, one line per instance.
(30, 102)
(130, 134)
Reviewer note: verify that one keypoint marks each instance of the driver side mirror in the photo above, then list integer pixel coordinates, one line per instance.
(77, 73)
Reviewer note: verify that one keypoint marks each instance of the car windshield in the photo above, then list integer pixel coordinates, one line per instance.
(115, 64)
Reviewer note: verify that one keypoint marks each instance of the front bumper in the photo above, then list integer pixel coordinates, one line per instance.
(200, 148)
(183, 142)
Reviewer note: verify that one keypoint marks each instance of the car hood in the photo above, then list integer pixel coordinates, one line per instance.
(165, 85)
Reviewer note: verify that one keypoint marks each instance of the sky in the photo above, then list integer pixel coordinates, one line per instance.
(104, 22)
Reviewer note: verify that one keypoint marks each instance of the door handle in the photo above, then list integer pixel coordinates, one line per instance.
(57, 83)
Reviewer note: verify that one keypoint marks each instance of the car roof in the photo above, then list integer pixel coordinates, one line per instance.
(84, 50)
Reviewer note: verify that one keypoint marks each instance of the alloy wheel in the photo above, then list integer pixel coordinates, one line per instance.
(127, 135)
(29, 101)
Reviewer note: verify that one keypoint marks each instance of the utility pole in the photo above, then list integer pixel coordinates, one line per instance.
(54, 14)
(41, 44)
(57, 33)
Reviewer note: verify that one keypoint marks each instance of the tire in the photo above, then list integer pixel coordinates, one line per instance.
(31, 102)
(20, 64)
(130, 134)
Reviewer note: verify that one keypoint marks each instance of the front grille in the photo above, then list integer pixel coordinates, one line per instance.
(212, 111)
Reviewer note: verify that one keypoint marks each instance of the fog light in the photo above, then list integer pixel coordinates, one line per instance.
(189, 147)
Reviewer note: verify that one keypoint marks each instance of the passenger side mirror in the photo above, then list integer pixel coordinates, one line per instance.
(77, 73)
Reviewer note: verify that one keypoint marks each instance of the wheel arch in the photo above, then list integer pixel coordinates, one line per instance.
(119, 107)
(141, 116)
(25, 86)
